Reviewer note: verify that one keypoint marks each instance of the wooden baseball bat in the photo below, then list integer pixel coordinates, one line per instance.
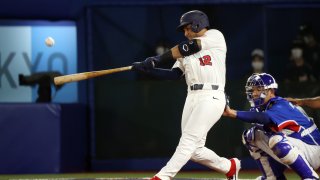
(59, 80)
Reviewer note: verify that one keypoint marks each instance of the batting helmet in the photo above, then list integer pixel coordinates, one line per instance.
(264, 81)
(198, 20)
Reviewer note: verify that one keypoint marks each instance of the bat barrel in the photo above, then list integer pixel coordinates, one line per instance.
(87, 75)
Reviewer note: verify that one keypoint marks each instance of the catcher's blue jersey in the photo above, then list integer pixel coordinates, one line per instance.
(287, 117)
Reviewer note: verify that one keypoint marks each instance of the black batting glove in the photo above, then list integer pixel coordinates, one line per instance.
(138, 66)
(152, 61)
(146, 65)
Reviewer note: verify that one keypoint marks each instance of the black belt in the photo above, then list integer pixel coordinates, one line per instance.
(200, 86)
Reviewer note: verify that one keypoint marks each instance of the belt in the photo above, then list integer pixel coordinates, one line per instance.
(201, 86)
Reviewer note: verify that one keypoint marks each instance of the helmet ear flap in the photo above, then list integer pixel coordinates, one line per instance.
(195, 27)
(198, 24)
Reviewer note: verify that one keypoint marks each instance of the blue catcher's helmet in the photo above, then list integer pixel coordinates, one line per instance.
(262, 82)
(198, 20)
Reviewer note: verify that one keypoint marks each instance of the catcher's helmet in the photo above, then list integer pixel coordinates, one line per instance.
(263, 81)
(198, 20)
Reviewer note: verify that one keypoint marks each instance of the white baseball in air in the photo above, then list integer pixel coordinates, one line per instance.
(49, 41)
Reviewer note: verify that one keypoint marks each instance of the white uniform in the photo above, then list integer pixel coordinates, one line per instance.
(203, 108)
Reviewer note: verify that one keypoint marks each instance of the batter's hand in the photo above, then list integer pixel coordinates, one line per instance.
(153, 60)
(145, 65)
(138, 66)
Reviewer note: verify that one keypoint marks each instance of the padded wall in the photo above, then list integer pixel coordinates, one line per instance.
(39, 138)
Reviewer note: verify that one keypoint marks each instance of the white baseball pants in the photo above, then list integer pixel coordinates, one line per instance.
(202, 109)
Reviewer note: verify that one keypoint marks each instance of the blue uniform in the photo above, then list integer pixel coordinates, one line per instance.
(284, 115)
(279, 115)
(284, 136)
(284, 125)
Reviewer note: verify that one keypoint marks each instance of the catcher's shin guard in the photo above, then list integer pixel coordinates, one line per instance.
(290, 156)
(270, 168)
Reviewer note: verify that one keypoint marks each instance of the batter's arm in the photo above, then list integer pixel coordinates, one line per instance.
(185, 48)
(166, 74)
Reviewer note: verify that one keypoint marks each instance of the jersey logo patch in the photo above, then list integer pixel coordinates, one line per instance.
(205, 61)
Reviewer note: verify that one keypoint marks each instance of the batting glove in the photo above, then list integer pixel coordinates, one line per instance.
(139, 67)
(145, 65)
(151, 62)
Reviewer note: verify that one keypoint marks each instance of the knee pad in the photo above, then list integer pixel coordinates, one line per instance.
(248, 139)
(248, 135)
(290, 156)
(283, 149)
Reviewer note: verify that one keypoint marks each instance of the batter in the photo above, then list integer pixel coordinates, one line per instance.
(202, 60)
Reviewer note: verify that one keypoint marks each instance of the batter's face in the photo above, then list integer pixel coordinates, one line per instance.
(188, 33)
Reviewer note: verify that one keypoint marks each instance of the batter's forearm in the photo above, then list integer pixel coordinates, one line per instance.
(171, 55)
(168, 74)
(179, 51)
(176, 53)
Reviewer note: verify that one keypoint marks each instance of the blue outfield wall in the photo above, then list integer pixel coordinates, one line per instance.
(23, 52)
(43, 138)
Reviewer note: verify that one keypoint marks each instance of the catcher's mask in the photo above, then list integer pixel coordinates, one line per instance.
(257, 86)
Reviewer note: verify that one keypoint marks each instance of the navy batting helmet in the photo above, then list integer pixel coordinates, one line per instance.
(198, 20)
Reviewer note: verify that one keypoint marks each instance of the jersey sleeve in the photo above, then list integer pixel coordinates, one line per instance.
(213, 39)
(178, 64)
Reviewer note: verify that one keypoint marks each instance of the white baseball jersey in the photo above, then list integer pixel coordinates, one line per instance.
(208, 65)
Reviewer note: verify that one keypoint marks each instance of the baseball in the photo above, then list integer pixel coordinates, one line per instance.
(49, 41)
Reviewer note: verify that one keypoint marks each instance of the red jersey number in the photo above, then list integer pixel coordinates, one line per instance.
(205, 60)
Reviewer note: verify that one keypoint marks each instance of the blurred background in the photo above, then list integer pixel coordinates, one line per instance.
(127, 121)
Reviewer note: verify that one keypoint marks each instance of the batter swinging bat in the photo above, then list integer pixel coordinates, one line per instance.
(87, 75)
